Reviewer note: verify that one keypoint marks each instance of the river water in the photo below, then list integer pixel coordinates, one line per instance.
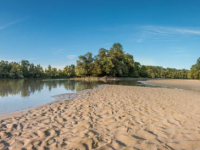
(21, 94)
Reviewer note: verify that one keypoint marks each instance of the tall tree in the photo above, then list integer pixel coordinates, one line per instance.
(48, 71)
(85, 65)
(103, 64)
(54, 73)
(25, 68)
(116, 54)
(129, 65)
(69, 71)
(15, 71)
(195, 70)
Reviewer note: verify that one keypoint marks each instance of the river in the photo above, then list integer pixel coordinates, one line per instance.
(21, 94)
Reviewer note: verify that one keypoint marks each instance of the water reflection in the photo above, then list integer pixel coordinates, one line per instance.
(25, 87)
(21, 94)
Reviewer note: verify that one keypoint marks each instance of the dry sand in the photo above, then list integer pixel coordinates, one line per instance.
(193, 85)
(108, 118)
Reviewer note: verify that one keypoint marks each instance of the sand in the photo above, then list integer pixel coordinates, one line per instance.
(193, 85)
(111, 117)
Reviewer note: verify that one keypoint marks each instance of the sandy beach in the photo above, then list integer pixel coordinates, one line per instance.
(192, 85)
(108, 118)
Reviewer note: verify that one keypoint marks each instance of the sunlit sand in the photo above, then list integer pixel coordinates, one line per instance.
(193, 85)
(110, 117)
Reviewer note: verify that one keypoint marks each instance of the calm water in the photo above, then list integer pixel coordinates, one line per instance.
(16, 95)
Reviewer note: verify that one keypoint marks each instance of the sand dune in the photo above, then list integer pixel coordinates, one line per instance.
(108, 118)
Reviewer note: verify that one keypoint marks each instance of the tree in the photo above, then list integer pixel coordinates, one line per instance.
(60, 73)
(102, 64)
(137, 70)
(85, 65)
(143, 71)
(48, 71)
(129, 65)
(54, 72)
(15, 71)
(116, 54)
(39, 72)
(198, 63)
(5, 68)
(25, 68)
(32, 71)
(195, 70)
(69, 71)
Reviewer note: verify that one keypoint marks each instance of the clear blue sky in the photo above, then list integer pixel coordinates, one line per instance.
(156, 32)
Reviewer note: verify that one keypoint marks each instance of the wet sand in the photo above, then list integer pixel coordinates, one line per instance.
(193, 85)
(108, 118)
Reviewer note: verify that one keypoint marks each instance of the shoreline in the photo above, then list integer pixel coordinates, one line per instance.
(106, 79)
(22, 112)
(58, 98)
(183, 84)
(158, 83)
(109, 117)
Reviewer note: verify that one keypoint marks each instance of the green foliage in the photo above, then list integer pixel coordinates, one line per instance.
(195, 70)
(160, 72)
(24, 69)
(85, 65)
(144, 71)
(102, 63)
(113, 62)
(69, 71)
(15, 71)
(117, 57)
(5, 68)
(116, 63)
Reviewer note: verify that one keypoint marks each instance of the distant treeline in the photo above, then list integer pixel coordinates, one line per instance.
(24, 69)
(114, 63)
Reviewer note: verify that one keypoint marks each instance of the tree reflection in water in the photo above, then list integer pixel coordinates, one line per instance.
(21, 94)
(25, 87)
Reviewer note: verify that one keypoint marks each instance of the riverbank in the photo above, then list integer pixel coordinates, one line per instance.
(110, 117)
(106, 79)
(192, 85)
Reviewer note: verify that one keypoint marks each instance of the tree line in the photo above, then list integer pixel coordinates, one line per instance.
(113, 63)
(25, 69)
(116, 63)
